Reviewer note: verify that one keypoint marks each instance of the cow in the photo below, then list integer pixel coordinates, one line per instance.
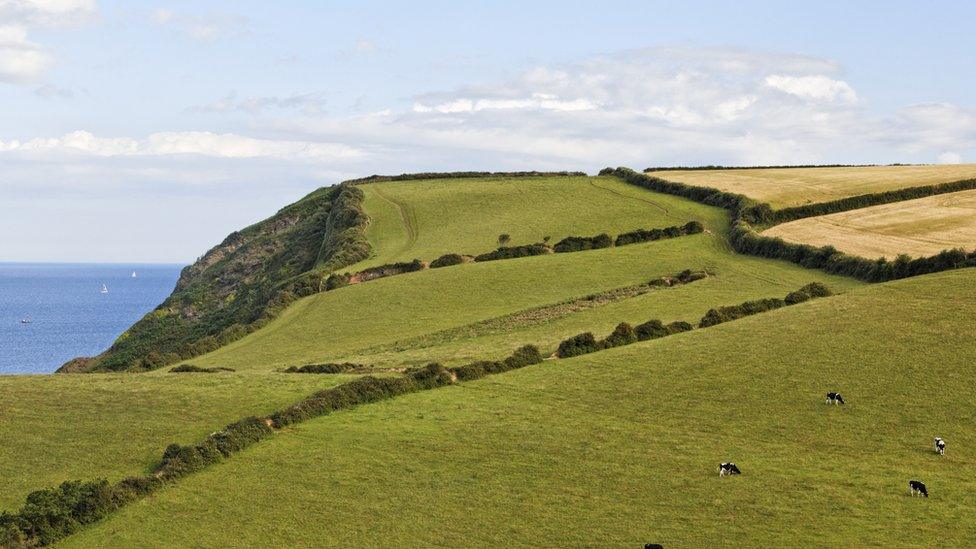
(728, 468)
(834, 398)
(916, 488)
(939, 446)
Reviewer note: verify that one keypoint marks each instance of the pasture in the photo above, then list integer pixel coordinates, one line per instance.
(919, 228)
(621, 447)
(784, 187)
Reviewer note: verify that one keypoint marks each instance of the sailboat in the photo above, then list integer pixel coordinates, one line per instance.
(26, 320)
(104, 289)
(133, 274)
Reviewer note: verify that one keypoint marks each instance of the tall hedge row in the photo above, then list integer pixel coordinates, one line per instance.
(744, 239)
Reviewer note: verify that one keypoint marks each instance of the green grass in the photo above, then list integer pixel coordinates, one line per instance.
(426, 219)
(65, 427)
(621, 447)
(379, 322)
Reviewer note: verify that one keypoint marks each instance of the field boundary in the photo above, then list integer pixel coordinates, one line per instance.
(747, 212)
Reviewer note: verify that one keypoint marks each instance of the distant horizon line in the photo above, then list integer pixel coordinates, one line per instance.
(130, 263)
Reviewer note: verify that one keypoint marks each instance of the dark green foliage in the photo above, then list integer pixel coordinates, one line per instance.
(732, 312)
(688, 276)
(51, 514)
(337, 280)
(623, 334)
(810, 291)
(390, 269)
(504, 238)
(581, 243)
(679, 326)
(648, 235)
(578, 345)
(652, 329)
(190, 368)
(460, 175)
(327, 368)
(513, 252)
(522, 357)
(747, 212)
(447, 260)
(713, 168)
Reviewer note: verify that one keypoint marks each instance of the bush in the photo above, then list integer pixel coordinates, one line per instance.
(447, 260)
(649, 235)
(679, 326)
(523, 356)
(513, 252)
(504, 238)
(327, 368)
(190, 368)
(652, 329)
(623, 334)
(337, 280)
(578, 345)
(581, 243)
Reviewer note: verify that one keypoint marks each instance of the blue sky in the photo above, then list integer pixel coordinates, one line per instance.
(146, 131)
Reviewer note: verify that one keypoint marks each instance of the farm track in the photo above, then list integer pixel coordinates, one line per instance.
(407, 216)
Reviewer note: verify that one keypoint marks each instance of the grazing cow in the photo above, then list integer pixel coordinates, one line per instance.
(916, 487)
(728, 469)
(940, 446)
(834, 398)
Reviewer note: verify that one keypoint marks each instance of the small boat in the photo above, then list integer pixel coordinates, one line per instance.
(26, 320)
(133, 274)
(104, 289)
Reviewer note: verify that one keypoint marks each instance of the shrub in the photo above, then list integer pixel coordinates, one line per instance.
(190, 368)
(679, 326)
(337, 280)
(648, 235)
(327, 368)
(504, 238)
(652, 329)
(523, 356)
(447, 260)
(623, 334)
(581, 243)
(578, 345)
(513, 252)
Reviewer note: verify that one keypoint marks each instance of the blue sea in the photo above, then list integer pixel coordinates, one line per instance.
(69, 316)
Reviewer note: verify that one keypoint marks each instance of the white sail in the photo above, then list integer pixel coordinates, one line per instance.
(133, 274)
(104, 289)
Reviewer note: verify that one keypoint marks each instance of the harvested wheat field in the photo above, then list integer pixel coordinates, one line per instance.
(919, 227)
(784, 187)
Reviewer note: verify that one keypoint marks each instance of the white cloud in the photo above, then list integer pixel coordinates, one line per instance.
(307, 103)
(816, 87)
(23, 61)
(203, 28)
(950, 157)
(184, 143)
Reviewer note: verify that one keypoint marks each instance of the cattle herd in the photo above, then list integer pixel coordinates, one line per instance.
(915, 487)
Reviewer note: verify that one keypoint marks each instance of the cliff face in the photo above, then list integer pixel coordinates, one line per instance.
(244, 282)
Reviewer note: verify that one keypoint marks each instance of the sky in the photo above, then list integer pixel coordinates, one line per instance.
(147, 131)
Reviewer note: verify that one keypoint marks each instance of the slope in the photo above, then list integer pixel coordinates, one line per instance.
(622, 446)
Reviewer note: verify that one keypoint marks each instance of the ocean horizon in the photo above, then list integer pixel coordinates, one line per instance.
(68, 314)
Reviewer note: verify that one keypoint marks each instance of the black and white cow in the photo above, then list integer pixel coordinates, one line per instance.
(939, 446)
(834, 398)
(728, 469)
(916, 488)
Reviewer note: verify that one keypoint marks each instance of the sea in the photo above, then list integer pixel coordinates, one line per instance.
(68, 314)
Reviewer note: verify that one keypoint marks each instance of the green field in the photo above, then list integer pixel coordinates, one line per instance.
(621, 447)
(784, 187)
(390, 322)
(58, 428)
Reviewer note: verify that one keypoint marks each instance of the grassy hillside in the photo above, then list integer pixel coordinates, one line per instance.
(57, 428)
(622, 446)
(426, 219)
(919, 227)
(783, 187)
(389, 322)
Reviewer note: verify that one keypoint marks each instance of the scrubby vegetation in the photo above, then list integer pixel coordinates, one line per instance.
(448, 260)
(581, 243)
(190, 368)
(512, 252)
(644, 235)
(327, 368)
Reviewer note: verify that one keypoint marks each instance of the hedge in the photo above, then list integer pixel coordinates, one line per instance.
(578, 345)
(459, 175)
(744, 239)
(645, 235)
(327, 368)
(733, 312)
(511, 252)
(190, 368)
(447, 260)
(580, 243)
